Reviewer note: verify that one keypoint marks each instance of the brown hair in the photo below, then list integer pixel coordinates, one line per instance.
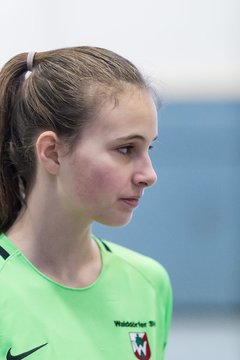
(62, 93)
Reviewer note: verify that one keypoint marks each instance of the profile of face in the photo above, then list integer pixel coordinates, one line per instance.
(104, 178)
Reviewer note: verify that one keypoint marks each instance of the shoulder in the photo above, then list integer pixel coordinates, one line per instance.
(4, 254)
(8, 253)
(150, 269)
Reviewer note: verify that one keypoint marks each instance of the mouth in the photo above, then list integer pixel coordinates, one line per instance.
(132, 202)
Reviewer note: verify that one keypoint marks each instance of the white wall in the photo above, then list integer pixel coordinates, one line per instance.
(190, 47)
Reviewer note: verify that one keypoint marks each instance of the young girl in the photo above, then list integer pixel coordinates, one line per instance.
(76, 125)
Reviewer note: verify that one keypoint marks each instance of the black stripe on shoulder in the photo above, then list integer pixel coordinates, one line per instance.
(106, 247)
(4, 253)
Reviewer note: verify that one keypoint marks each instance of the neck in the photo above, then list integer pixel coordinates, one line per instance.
(59, 245)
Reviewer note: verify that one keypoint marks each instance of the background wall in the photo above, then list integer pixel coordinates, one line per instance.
(190, 220)
(191, 47)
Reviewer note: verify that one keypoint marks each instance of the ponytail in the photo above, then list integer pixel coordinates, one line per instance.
(11, 196)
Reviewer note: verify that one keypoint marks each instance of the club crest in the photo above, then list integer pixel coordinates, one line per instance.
(140, 345)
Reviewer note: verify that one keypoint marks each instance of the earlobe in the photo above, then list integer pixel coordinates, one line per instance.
(47, 151)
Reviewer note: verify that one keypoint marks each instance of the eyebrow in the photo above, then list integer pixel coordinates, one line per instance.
(134, 137)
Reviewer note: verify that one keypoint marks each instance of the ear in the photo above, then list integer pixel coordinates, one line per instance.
(47, 151)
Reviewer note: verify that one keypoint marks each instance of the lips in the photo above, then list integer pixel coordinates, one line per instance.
(131, 201)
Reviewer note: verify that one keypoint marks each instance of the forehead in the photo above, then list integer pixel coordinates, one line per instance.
(132, 111)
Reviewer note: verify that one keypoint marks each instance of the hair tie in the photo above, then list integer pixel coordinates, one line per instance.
(30, 58)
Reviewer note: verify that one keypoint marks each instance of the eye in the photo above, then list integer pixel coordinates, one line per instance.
(125, 150)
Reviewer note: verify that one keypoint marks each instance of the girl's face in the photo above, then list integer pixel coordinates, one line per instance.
(103, 179)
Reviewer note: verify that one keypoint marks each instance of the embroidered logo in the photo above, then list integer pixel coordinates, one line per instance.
(140, 345)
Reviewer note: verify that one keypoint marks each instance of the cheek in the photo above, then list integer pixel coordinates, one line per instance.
(95, 180)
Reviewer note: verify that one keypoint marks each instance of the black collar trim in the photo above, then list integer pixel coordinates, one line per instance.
(106, 247)
(4, 253)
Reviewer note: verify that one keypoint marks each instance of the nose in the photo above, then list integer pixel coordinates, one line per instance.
(145, 175)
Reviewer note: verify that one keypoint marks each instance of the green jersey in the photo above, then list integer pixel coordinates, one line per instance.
(123, 315)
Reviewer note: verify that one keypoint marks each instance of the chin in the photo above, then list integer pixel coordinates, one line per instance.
(116, 222)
